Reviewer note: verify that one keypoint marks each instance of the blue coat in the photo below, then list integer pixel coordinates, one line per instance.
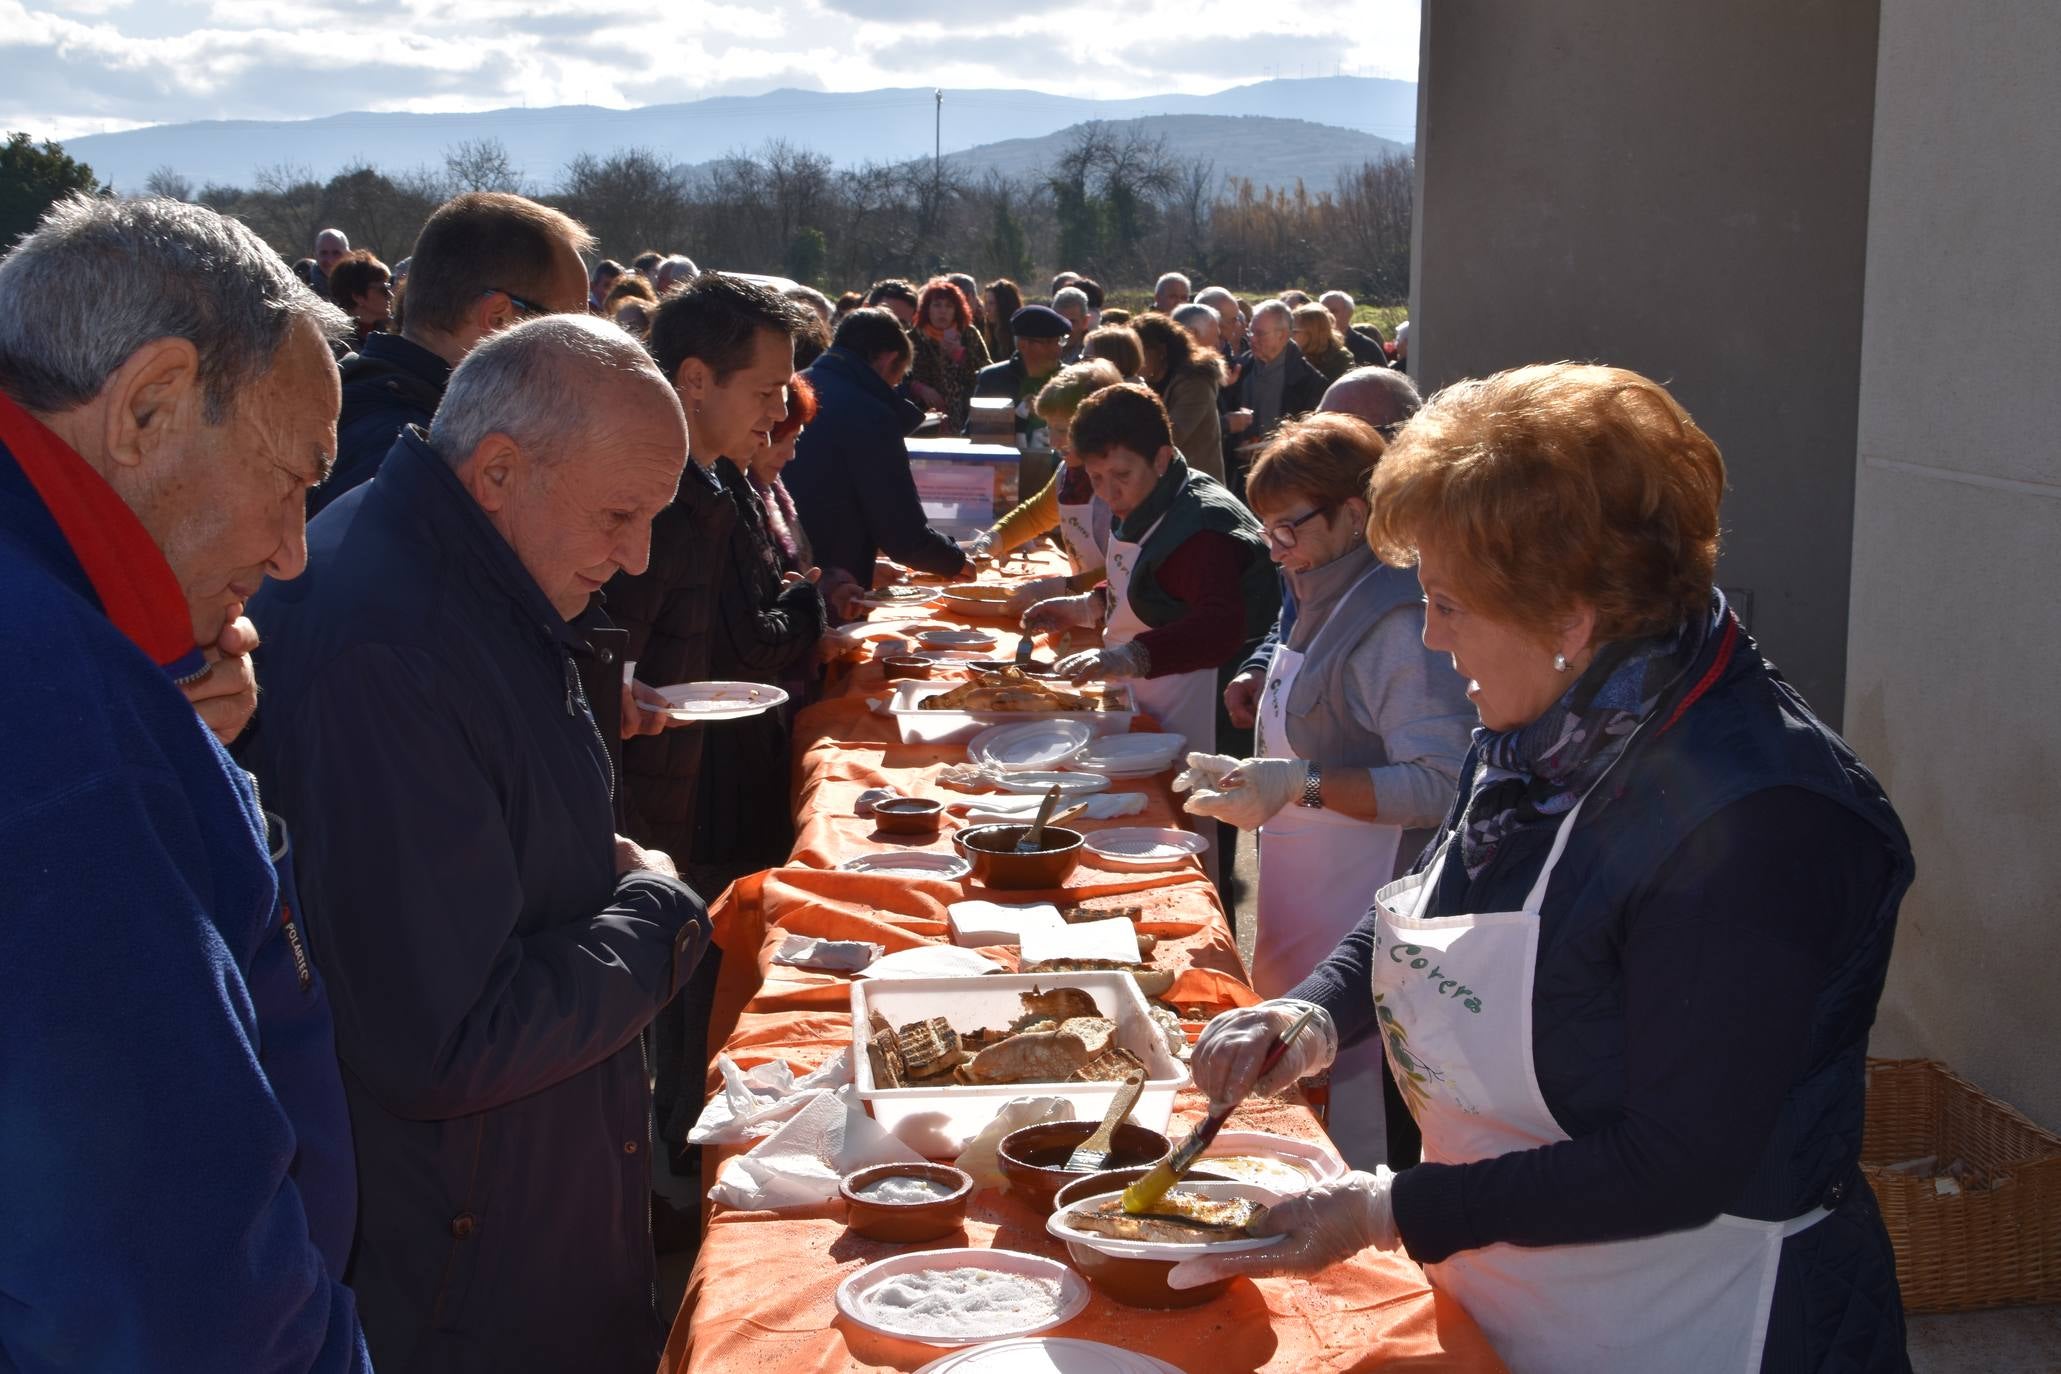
(850, 477)
(1711, 950)
(426, 732)
(389, 384)
(175, 1162)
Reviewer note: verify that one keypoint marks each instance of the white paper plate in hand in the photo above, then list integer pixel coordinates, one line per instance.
(1032, 745)
(1132, 755)
(720, 700)
(1144, 846)
(852, 1293)
(1060, 1225)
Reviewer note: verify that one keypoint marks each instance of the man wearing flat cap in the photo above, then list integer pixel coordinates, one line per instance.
(1041, 333)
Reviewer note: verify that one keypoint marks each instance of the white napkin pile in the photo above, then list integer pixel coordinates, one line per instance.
(836, 956)
(800, 1164)
(1114, 938)
(974, 924)
(1102, 806)
(753, 1103)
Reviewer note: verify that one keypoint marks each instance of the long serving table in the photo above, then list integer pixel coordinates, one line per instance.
(760, 1297)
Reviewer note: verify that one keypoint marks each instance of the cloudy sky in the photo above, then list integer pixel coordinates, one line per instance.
(71, 67)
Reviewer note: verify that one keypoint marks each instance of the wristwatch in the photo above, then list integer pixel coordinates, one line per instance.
(1313, 788)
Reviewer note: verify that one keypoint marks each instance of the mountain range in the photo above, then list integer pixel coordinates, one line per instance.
(978, 127)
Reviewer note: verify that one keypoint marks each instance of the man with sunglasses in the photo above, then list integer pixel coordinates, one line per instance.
(484, 261)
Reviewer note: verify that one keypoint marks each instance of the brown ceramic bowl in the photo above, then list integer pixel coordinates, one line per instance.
(904, 666)
(906, 1222)
(1033, 1159)
(908, 815)
(1132, 1282)
(991, 849)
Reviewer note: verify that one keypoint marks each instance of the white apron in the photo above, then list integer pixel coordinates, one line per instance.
(1319, 871)
(1085, 530)
(1182, 702)
(1454, 997)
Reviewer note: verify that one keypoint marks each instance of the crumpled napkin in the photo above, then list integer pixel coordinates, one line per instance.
(981, 1159)
(800, 1164)
(969, 777)
(754, 1102)
(1102, 806)
(836, 956)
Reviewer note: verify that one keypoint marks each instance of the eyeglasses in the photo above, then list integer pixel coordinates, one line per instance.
(522, 303)
(1284, 534)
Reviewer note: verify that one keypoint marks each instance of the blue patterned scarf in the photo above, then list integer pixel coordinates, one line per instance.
(1537, 772)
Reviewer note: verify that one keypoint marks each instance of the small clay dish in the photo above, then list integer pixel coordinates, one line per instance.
(904, 666)
(902, 1223)
(908, 815)
(991, 849)
(1034, 1158)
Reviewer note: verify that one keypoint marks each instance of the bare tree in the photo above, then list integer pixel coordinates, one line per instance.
(169, 183)
(481, 164)
(630, 200)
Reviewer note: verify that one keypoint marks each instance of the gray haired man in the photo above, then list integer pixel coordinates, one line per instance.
(439, 715)
(167, 395)
(1170, 293)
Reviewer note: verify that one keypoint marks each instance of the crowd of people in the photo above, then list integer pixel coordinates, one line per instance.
(382, 969)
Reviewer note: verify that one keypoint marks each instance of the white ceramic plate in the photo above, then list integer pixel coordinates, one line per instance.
(1073, 1290)
(897, 596)
(1029, 746)
(1144, 846)
(1047, 1355)
(915, 864)
(1059, 1225)
(1069, 784)
(956, 639)
(1280, 1163)
(1131, 755)
(720, 700)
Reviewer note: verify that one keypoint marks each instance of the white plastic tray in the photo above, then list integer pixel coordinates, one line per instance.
(938, 1121)
(919, 726)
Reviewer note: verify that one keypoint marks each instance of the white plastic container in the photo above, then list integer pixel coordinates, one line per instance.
(919, 726)
(938, 1121)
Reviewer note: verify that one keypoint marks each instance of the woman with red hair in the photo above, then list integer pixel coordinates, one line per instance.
(949, 352)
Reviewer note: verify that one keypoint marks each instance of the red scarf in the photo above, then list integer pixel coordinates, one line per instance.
(136, 587)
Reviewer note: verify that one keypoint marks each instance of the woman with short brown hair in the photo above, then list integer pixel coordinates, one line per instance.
(1188, 377)
(1627, 994)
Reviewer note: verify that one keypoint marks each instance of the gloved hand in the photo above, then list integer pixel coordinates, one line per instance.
(1107, 664)
(1249, 795)
(1331, 1222)
(1083, 612)
(1031, 593)
(983, 544)
(1204, 770)
(1227, 1057)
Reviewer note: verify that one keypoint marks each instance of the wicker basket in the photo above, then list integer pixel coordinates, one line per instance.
(1957, 1252)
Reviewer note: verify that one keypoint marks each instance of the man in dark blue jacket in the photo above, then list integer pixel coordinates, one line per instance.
(850, 477)
(494, 947)
(166, 394)
(483, 261)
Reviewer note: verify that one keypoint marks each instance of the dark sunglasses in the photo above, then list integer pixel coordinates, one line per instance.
(522, 303)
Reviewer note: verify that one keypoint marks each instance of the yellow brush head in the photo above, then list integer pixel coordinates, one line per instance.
(1140, 1196)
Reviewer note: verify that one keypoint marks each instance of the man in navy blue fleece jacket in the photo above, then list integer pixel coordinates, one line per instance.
(167, 396)
(434, 728)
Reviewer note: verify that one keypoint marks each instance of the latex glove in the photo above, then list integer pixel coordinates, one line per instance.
(1252, 793)
(982, 546)
(1227, 1057)
(1241, 698)
(1204, 770)
(1107, 664)
(1083, 612)
(1031, 593)
(1331, 1222)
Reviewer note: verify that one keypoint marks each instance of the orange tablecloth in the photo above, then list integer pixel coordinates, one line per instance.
(761, 1294)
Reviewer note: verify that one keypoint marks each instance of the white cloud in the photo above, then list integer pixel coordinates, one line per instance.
(77, 66)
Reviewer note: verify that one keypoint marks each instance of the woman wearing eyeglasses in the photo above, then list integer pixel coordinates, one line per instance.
(1358, 739)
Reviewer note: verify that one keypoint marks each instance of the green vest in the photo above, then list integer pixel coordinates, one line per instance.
(1184, 503)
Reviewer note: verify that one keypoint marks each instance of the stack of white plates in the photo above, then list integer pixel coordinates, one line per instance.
(1033, 746)
(909, 864)
(1131, 756)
